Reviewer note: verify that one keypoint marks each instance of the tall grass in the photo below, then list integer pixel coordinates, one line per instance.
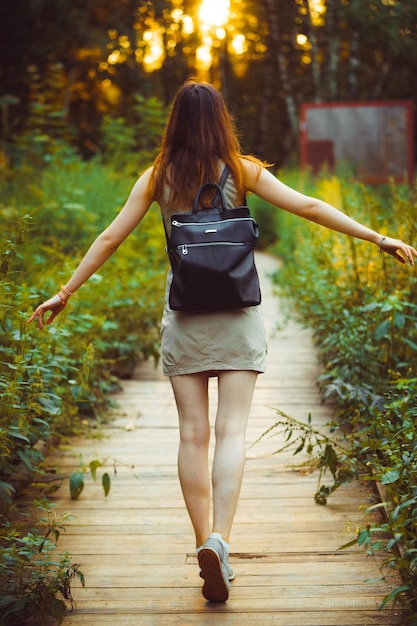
(53, 381)
(362, 308)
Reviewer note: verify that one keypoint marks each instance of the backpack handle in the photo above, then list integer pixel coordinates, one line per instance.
(218, 194)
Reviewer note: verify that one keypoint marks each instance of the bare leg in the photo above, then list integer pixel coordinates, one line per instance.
(234, 402)
(191, 395)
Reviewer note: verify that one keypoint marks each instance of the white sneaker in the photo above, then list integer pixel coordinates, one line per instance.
(215, 569)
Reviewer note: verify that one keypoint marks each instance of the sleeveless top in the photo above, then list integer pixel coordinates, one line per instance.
(212, 341)
(229, 191)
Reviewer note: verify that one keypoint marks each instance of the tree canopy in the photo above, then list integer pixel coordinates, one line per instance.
(81, 62)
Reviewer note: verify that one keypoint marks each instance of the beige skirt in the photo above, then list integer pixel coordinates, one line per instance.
(212, 341)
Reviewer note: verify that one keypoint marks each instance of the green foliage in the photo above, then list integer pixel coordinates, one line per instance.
(118, 141)
(362, 308)
(55, 382)
(46, 134)
(266, 217)
(76, 480)
(357, 50)
(324, 452)
(34, 580)
(276, 228)
(140, 135)
(362, 305)
(381, 452)
(50, 380)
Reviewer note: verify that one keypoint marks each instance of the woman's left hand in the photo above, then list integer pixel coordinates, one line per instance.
(398, 249)
(54, 304)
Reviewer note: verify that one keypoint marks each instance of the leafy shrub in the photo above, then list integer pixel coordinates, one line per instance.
(381, 452)
(362, 308)
(51, 381)
(34, 582)
(47, 379)
(276, 228)
(361, 305)
(140, 136)
(267, 220)
(53, 206)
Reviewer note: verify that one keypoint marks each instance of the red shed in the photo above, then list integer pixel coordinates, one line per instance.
(375, 139)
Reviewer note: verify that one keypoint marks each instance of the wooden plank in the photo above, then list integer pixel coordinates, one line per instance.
(287, 493)
(293, 563)
(141, 604)
(105, 527)
(283, 618)
(136, 546)
(266, 576)
(122, 544)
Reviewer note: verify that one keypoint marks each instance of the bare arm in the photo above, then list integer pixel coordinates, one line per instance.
(101, 249)
(266, 186)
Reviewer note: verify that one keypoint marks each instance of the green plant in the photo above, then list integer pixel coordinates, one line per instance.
(51, 381)
(324, 452)
(76, 479)
(34, 580)
(362, 308)
(57, 382)
(267, 219)
(46, 133)
(131, 144)
(382, 451)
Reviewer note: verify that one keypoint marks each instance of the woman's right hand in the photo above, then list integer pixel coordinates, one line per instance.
(55, 304)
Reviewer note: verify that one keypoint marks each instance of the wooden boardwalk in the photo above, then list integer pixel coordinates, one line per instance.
(136, 546)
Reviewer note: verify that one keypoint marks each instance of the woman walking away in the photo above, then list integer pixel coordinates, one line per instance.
(199, 140)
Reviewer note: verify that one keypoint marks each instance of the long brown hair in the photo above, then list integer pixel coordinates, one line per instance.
(200, 132)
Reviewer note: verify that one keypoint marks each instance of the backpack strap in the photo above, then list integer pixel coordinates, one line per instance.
(224, 176)
(221, 183)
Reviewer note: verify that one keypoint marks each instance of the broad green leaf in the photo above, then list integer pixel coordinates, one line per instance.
(330, 458)
(349, 544)
(94, 465)
(6, 491)
(106, 482)
(399, 320)
(26, 460)
(363, 537)
(390, 477)
(76, 485)
(382, 330)
(17, 435)
(394, 594)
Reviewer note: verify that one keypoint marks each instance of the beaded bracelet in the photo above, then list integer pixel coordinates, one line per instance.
(69, 293)
(380, 242)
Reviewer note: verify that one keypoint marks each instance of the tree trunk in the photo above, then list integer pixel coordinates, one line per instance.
(315, 63)
(354, 64)
(377, 91)
(280, 58)
(267, 99)
(333, 48)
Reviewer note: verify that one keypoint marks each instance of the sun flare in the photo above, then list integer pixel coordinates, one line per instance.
(213, 14)
(318, 9)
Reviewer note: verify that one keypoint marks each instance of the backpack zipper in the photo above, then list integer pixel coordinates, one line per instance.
(229, 219)
(184, 247)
